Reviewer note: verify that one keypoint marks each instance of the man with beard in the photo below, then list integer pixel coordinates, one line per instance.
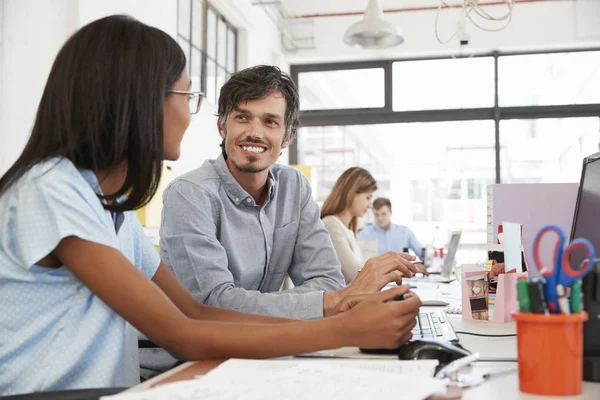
(235, 227)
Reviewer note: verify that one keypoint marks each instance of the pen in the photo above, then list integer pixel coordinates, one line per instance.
(536, 296)
(523, 295)
(563, 302)
(576, 297)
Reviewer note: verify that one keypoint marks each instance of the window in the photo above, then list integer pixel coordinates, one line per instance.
(550, 79)
(437, 132)
(354, 88)
(210, 46)
(430, 176)
(555, 154)
(443, 84)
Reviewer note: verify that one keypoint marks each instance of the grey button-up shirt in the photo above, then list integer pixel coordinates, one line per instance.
(231, 253)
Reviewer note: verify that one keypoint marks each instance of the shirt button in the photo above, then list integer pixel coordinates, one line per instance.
(237, 199)
(248, 200)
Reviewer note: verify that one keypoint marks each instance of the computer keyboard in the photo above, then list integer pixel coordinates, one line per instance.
(433, 325)
(430, 325)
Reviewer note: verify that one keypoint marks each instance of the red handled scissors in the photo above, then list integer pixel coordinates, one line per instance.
(561, 272)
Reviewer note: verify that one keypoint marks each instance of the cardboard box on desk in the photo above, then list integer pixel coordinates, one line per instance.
(475, 302)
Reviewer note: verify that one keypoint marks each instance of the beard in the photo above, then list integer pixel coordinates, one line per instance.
(246, 163)
(253, 169)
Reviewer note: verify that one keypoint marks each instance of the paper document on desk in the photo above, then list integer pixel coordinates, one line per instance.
(297, 380)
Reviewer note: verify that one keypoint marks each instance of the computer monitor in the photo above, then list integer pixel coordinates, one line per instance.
(586, 224)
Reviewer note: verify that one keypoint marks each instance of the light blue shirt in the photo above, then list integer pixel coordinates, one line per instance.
(54, 333)
(396, 238)
(232, 253)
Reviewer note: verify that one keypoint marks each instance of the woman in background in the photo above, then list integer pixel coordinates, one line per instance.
(349, 200)
(75, 267)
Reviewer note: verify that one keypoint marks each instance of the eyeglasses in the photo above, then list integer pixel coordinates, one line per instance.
(194, 98)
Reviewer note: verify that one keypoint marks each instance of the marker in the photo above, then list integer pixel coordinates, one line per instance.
(523, 295)
(563, 302)
(576, 295)
(536, 296)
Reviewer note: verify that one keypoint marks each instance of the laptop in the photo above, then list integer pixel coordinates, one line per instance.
(445, 275)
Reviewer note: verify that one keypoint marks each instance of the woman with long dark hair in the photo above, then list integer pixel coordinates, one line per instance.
(75, 267)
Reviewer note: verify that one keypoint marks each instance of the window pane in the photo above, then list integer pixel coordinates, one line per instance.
(443, 84)
(356, 88)
(211, 79)
(231, 47)
(440, 178)
(549, 79)
(211, 33)
(222, 43)
(197, 23)
(546, 150)
(185, 45)
(183, 26)
(196, 70)
(221, 76)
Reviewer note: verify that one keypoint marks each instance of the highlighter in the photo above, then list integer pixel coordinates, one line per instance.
(523, 295)
(576, 296)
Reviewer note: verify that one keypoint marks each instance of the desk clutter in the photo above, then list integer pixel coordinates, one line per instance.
(303, 379)
(550, 318)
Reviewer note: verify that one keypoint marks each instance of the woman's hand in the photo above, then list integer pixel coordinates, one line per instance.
(376, 321)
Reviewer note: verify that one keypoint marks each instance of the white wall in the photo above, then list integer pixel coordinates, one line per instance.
(161, 14)
(30, 43)
(551, 24)
(33, 31)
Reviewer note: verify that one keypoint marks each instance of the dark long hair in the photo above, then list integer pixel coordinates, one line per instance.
(103, 105)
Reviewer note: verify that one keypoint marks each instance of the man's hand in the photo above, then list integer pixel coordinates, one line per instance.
(381, 270)
(377, 272)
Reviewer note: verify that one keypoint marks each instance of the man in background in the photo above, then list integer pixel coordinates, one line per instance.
(389, 237)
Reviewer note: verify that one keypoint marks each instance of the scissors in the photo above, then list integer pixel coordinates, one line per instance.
(561, 272)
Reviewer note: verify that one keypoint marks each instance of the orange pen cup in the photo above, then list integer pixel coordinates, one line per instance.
(550, 349)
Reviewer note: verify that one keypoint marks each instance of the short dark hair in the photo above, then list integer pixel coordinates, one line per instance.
(380, 202)
(255, 83)
(103, 105)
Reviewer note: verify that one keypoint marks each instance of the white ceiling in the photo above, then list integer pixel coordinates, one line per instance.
(310, 7)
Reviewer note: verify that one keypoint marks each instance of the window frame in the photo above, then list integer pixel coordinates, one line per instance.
(385, 114)
(204, 57)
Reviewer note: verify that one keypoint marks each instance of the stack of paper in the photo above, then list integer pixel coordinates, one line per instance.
(302, 380)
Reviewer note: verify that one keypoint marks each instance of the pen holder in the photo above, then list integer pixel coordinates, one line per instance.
(550, 349)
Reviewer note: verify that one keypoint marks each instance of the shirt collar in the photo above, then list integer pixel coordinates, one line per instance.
(380, 230)
(234, 190)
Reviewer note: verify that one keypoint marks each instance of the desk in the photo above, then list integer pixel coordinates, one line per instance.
(496, 388)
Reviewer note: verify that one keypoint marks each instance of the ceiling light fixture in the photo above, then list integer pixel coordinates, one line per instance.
(373, 32)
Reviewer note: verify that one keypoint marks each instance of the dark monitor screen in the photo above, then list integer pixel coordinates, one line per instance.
(586, 224)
